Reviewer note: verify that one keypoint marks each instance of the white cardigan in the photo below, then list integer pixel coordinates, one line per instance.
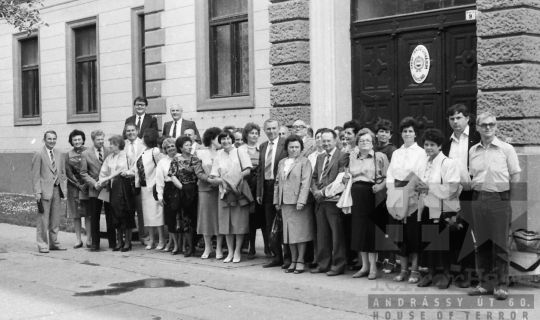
(149, 167)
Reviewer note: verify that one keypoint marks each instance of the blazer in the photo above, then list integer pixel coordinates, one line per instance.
(43, 176)
(281, 153)
(338, 163)
(148, 122)
(149, 167)
(186, 124)
(90, 168)
(293, 188)
(309, 147)
(474, 138)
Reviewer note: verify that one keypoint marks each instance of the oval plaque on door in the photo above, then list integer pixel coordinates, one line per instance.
(420, 64)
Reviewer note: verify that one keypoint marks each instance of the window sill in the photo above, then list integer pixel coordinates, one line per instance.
(229, 103)
(90, 117)
(34, 121)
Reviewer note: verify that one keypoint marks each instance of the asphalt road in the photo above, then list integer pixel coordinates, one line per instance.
(141, 284)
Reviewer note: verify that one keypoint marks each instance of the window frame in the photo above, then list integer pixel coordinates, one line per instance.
(19, 119)
(138, 70)
(205, 100)
(71, 76)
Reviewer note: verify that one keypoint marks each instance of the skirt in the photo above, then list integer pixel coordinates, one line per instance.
(207, 214)
(441, 245)
(363, 227)
(168, 212)
(232, 219)
(152, 211)
(298, 225)
(406, 237)
(121, 191)
(75, 207)
(188, 207)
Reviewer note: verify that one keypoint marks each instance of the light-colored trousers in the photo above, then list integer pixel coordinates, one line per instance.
(49, 222)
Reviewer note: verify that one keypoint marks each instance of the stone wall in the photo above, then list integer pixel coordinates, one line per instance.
(289, 57)
(508, 71)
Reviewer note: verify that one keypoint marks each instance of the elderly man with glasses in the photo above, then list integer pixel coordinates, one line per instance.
(495, 170)
(300, 128)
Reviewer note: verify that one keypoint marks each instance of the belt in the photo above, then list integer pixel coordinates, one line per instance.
(269, 180)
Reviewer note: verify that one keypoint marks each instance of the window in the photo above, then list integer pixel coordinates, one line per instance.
(26, 80)
(82, 60)
(229, 48)
(138, 54)
(224, 38)
(368, 9)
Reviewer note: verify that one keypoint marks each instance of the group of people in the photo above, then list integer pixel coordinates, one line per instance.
(320, 201)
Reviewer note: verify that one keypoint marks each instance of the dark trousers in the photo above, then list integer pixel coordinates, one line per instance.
(467, 261)
(94, 207)
(280, 254)
(331, 245)
(492, 217)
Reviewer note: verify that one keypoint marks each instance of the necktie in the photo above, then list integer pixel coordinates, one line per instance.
(268, 162)
(55, 171)
(174, 130)
(139, 124)
(326, 165)
(100, 155)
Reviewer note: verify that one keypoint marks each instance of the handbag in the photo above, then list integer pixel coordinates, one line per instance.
(276, 234)
(527, 241)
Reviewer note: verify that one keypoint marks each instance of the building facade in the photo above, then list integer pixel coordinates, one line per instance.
(229, 62)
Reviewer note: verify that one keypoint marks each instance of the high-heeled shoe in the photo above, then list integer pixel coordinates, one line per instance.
(126, 249)
(206, 255)
(149, 246)
(77, 246)
(175, 252)
(289, 269)
(227, 260)
(118, 248)
(298, 270)
(160, 246)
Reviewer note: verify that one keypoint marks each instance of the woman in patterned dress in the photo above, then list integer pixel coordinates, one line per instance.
(77, 190)
(182, 173)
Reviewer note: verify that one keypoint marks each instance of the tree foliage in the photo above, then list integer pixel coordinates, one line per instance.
(22, 14)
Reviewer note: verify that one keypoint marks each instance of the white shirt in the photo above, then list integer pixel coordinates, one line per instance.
(274, 148)
(136, 151)
(288, 163)
(324, 162)
(313, 158)
(137, 119)
(162, 175)
(178, 128)
(194, 147)
(49, 154)
(404, 161)
(460, 153)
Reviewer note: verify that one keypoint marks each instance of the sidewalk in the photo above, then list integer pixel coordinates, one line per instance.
(35, 285)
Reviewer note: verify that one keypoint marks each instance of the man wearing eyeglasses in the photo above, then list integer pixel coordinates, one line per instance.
(300, 129)
(142, 120)
(495, 170)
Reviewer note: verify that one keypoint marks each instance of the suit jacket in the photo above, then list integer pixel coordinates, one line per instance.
(292, 187)
(338, 163)
(309, 147)
(43, 176)
(90, 168)
(280, 154)
(186, 124)
(147, 122)
(474, 138)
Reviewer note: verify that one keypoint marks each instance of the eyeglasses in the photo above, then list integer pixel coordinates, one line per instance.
(298, 127)
(140, 105)
(364, 141)
(490, 125)
(282, 134)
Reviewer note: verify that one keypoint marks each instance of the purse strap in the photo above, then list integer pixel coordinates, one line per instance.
(442, 183)
(239, 161)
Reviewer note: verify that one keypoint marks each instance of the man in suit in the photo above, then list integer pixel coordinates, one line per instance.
(457, 147)
(142, 120)
(50, 184)
(271, 153)
(91, 162)
(300, 129)
(178, 125)
(134, 148)
(331, 246)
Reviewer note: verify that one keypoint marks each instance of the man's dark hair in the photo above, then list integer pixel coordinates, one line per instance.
(457, 108)
(355, 125)
(325, 130)
(140, 99)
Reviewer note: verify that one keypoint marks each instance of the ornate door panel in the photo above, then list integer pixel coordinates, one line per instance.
(374, 63)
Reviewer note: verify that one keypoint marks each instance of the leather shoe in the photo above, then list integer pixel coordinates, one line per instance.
(57, 249)
(78, 246)
(333, 273)
(272, 264)
(317, 270)
(501, 294)
(94, 249)
(43, 251)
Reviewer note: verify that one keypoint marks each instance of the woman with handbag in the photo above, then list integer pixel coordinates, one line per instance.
(293, 197)
(168, 195)
(145, 179)
(402, 200)
(229, 170)
(367, 170)
(116, 173)
(439, 190)
(183, 176)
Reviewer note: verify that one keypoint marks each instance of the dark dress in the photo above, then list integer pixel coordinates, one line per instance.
(170, 195)
(123, 204)
(76, 198)
(184, 171)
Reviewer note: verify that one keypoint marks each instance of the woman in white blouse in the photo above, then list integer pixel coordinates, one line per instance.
(229, 169)
(402, 200)
(116, 173)
(439, 188)
(166, 192)
(145, 179)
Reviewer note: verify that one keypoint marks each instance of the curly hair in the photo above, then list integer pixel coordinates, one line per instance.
(384, 124)
(150, 138)
(209, 135)
(168, 142)
(409, 122)
(353, 124)
(433, 135)
(118, 140)
(75, 133)
(293, 138)
(247, 130)
(180, 142)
